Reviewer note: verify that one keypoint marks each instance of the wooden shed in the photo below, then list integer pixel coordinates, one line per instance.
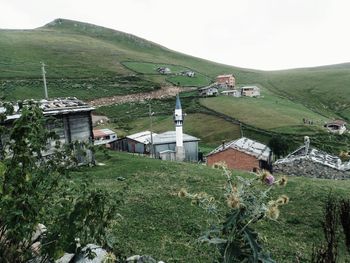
(71, 120)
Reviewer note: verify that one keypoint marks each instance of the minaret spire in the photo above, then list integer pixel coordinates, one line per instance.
(178, 120)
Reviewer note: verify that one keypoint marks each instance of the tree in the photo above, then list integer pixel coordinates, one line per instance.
(279, 145)
(36, 189)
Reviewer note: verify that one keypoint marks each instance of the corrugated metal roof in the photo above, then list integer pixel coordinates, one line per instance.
(142, 137)
(248, 146)
(225, 76)
(102, 132)
(317, 156)
(170, 137)
(250, 87)
(52, 107)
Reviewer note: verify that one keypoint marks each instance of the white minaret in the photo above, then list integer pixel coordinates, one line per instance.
(178, 119)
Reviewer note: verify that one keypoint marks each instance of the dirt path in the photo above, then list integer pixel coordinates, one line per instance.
(164, 92)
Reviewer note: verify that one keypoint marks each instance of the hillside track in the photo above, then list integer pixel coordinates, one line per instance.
(162, 93)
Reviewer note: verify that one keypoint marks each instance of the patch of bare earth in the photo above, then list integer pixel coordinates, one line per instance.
(164, 92)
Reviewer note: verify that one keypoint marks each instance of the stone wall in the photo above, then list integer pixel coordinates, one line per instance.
(308, 168)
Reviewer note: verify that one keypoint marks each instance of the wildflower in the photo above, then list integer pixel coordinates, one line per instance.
(283, 181)
(233, 201)
(269, 179)
(266, 177)
(220, 165)
(273, 212)
(282, 200)
(202, 195)
(182, 193)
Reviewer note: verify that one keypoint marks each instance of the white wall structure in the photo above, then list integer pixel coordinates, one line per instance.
(178, 119)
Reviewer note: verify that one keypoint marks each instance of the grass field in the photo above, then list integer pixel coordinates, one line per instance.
(157, 222)
(199, 80)
(85, 89)
(148, 68)
(74, 50)
(151, 68)
(267, 112)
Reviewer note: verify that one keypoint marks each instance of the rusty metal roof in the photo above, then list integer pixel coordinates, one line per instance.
(248, 146)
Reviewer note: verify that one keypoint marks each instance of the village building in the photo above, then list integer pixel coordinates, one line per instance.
(336, 126)
(232, 92)
(208, 91)
(250, 91)
(164, 70)
(175, 145)
(136, 143)
(71, 121)
(242, 154)
(105, 137)
(188, 73)
(170, 145)
(166, 148)
(226, 80)
(310, 162)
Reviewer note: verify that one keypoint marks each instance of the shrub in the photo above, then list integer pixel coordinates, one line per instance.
(247, 201)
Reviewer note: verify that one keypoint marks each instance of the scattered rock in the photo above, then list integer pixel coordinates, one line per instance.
(65, 259)
(98, 253)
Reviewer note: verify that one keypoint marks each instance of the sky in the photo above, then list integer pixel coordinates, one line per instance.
(257, 34)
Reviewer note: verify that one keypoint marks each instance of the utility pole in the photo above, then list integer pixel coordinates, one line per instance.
(151, 128)
(241, 129)
(44, 79)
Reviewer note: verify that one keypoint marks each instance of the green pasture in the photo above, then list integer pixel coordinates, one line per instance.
(155, 221)
(267, 112)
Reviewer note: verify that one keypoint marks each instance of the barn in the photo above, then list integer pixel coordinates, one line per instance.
(242, 154)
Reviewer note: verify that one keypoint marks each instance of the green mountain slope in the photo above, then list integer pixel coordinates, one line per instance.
(155, 221)
(90, 61)
(74, 50)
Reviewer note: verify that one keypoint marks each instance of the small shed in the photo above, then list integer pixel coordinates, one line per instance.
(165, 143)
(188, 73)
(232, 92)
(139, 142)
(242, 154)
(70, 119)
(164, 70)
(250, 91)
(104, 137)
(208, 91)
(336, 126)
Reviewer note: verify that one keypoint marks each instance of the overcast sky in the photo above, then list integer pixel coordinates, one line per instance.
(259, 34)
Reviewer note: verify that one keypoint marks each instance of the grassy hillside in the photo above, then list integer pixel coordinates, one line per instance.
(321, 89)
(157, 222)
(269, 112)
(89, 61)
(79, 51)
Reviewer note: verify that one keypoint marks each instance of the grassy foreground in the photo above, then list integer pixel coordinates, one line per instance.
(159, 223)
